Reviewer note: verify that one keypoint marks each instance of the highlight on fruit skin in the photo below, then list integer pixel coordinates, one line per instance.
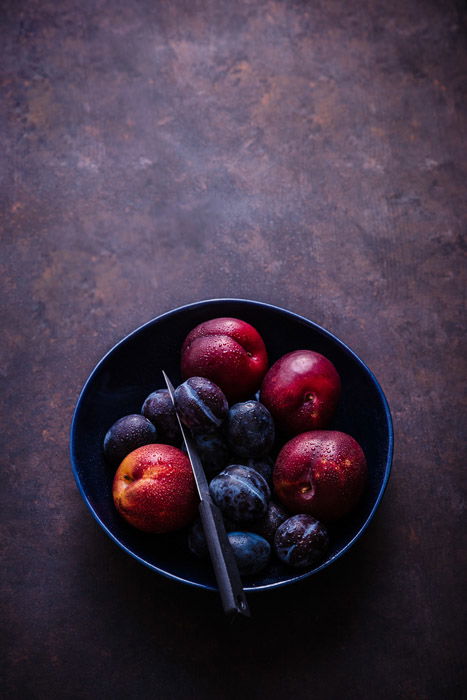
(241, 493)
(125, 435)
(251, 551)
(228, 351)
(154, 489)
(201, 404)
(159, 409)
(301, 391)
(321, 473)
(250, 430)
(301, 541)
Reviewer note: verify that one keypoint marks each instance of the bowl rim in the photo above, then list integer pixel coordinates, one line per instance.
(298, 317)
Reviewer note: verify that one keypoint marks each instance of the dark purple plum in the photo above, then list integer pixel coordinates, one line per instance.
(250, 429)
(263, 466)
(241, 493)
(200, 403)
(301, 541)
(267, 526)
(213, 451)
(197, 541)
(125, 435)
(251, 551)
(159, 409)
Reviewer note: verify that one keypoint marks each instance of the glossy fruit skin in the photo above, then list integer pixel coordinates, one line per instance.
(159, 409)
(213, 452)
(264, 466)
(241, 493)
(267, 526)
(301, 390)
(250, 429)
(228, 351)
(301, 541)
(154, 489)
(125, 435)
(200, 403)
(321, 473)
(252, 552)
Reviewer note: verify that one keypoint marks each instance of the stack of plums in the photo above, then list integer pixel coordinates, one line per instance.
(277, 474)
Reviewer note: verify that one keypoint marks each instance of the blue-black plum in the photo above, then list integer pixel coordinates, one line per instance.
(251, 551)
(197, 541)
(127, 434)
(301, 541)
(200, 403)
(264, 466)
(250, 429)
(213, 451)
(159, 409)
(268, 524)
(241, 493)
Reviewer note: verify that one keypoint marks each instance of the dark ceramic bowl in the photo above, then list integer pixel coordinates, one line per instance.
(132, 369)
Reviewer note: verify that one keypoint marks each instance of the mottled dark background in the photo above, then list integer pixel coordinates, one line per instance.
(307, 154)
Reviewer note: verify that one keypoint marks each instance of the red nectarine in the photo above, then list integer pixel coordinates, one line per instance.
(321, 473)
(229, 352)
(301, 391)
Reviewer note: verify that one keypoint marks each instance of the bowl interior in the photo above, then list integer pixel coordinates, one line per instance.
(132, 369)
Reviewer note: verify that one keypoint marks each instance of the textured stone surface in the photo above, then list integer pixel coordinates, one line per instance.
(311, 155)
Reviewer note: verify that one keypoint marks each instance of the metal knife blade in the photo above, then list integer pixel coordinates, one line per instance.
(220, 550)
(198, 471)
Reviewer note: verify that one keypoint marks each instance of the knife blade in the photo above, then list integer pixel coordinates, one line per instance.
(220, 550)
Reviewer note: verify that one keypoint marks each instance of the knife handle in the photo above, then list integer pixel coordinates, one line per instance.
(223, 560)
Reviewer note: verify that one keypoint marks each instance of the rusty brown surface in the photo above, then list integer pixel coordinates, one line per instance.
(311, 155)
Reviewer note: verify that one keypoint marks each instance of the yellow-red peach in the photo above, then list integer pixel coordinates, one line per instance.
(154, 489)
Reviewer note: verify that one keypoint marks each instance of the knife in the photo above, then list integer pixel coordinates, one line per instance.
(220, 550)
